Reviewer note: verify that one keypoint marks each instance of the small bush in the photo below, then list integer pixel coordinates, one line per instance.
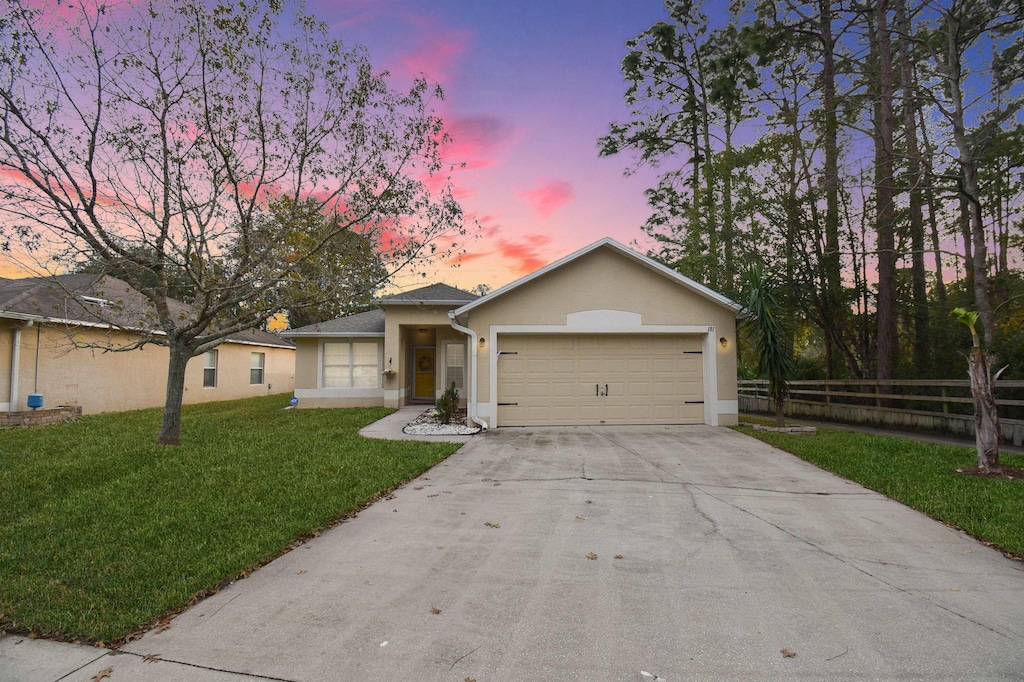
(447, 404)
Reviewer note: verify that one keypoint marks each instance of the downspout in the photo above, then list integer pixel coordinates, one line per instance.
(15, 366)
(472, 369)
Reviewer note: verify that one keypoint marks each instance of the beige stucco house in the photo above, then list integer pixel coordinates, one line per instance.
(602, 336)
(53, 336)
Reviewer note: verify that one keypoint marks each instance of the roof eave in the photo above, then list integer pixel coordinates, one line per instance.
(24, 317)
(432, 303)
(340, 335)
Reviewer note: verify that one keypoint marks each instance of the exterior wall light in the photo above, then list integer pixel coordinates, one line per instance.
(724, 341)
(483, 342)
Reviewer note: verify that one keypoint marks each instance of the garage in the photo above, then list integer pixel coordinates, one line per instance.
(604, 335)
(581, 379)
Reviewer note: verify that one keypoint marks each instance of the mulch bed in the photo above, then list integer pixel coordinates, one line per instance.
(1007, 473)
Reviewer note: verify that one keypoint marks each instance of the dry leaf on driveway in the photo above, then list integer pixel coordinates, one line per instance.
(434, 610)
(151, 658)
(592, 556)
(101, 675)
(786, 653)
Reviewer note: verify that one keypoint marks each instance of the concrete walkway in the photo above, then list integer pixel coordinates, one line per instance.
(390, 427)
(689, 553)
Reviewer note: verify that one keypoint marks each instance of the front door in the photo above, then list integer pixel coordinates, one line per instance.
(423, 373)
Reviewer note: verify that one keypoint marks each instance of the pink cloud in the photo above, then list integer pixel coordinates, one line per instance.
(488, 225)
(549, 196)
(436, 55)
(479, 227)
(528, 252)
(467, 257)
(479, 141)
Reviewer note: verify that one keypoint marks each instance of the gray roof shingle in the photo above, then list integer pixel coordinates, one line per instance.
(98, 300)
(433, 294)
(370, 323)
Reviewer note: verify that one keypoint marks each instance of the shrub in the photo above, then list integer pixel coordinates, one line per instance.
(447, 404)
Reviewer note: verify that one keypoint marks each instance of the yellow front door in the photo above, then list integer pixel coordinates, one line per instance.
(423, 373)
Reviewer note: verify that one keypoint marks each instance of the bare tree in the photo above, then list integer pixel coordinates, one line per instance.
(158, 133)
(953, 29)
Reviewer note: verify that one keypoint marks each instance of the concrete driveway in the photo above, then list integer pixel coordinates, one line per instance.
(597, 553)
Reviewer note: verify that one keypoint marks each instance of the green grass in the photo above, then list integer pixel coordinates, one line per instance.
(101, 531)
(920, 475)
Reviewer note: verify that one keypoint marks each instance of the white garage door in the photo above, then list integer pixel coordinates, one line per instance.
(563, 379)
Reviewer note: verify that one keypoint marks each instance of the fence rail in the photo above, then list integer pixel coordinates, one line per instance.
(943, 406)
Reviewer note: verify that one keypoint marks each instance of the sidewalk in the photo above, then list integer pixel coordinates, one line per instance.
(908, 435)
(39, 660)
(23, 659)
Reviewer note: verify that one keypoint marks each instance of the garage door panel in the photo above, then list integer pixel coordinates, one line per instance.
(588, 364)
(639, 390)
(539, 366)
(615, 366)
(511, 390)
(513, 364)
(554, 378)
(665, 412)
(563, 389)
(692, 412)
(641, 365)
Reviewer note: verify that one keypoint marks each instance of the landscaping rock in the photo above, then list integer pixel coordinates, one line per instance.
(427, 425)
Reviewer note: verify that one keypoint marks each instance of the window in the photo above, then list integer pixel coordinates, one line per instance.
(256, 368)
(210, 369)
(455, 365)
(351, 365)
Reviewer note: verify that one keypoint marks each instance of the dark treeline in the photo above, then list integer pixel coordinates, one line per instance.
(869, 154)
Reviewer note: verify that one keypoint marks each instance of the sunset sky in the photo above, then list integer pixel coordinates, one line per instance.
(529, 88)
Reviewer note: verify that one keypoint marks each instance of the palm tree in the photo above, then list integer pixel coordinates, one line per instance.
(986, 416)
(771, 339)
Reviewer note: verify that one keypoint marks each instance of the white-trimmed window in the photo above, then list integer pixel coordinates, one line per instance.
(256, 362)
(455, 365)
(353, 364)
(210, 369)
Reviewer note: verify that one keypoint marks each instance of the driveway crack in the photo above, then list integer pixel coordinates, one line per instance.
(1008, 634)
(255, 676)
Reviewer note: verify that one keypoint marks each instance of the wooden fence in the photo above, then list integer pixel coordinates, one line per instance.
(940, 406)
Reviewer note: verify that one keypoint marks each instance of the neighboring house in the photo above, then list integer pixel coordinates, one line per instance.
(53, 331)
(602, 336)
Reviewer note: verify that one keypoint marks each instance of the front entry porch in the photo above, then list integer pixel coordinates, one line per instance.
(433, 356)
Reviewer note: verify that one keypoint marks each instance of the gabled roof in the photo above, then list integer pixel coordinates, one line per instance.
(434, 294)
(608, 242)
(99, 301)
(370, 323)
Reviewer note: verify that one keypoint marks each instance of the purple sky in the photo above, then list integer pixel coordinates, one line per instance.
(529, 87)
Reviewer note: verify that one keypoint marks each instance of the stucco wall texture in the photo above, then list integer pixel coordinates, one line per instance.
(100, 381)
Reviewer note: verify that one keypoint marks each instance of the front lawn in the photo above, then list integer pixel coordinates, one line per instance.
(101, 531)
(920, 475)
